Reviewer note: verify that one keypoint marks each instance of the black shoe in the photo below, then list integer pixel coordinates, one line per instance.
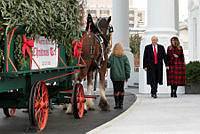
(116, 107)
(121, 107)
(154, 96)
(175, 95)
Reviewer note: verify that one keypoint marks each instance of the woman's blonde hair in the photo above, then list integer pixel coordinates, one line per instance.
(118, 50)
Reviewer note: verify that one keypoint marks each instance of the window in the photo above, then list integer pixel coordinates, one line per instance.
(91, 11)
(131, 25)
(104, 12)
(139, 14)
(131, 18)
(131, 12)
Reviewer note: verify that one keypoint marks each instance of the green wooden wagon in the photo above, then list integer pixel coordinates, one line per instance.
(38, 89)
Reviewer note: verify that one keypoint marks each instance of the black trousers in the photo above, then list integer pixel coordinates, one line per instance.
(118, 86)
(154, 83)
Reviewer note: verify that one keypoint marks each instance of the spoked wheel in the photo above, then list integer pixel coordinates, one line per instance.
(38, 105)
(78, 101)
(9, 112)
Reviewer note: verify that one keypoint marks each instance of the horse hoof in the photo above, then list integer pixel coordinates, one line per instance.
(105, 108)
(68, 112)
(25, 110)
(69, 109)
(90, 105)
(64, 108)
(103, 105)
(91, 108)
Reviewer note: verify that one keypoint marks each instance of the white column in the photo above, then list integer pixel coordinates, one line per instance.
(194, 30)
(161, 20)
(176, 12)
(120, 22)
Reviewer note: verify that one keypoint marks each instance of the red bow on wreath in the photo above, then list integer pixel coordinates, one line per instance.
(76, 46)
(26, 45)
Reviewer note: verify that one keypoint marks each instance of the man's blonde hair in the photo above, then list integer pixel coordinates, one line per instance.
(154, 37)
(118, 50)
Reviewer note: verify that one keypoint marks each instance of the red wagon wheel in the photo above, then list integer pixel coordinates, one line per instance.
(9, 112)
(38, 105)
(78, 101)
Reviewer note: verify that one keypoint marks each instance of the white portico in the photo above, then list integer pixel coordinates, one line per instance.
(162, 18)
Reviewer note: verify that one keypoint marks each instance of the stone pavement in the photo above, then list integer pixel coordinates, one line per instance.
(164, 115)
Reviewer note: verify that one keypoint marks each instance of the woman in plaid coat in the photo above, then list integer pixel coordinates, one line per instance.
(176, 75)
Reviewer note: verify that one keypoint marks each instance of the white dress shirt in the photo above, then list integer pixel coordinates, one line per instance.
(156, 46)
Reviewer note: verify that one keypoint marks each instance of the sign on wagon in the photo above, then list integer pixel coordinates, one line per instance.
(45, 53)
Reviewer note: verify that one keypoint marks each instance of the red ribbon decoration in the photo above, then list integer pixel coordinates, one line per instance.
(76, 46)
(26, 45)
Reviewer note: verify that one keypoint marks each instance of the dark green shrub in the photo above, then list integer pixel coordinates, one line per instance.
(193, 72)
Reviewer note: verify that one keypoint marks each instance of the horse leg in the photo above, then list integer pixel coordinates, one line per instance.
(103, 103)
(89, 102)
(69, 109)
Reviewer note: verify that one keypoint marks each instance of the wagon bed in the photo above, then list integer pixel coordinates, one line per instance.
(37, 90)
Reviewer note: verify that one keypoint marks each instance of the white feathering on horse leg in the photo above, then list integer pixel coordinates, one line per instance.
(85, 106)
(63, 106)
(69, 109)
(102, 93)
(89, 102)
(103, 103)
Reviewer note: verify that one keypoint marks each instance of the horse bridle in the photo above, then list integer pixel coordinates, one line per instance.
(102, 38)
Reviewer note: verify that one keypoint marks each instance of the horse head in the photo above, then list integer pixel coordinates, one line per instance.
(104, 29)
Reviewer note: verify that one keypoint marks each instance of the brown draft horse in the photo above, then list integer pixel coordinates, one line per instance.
(95, 53)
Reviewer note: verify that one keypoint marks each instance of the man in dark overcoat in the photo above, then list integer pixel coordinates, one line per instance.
(154, 54)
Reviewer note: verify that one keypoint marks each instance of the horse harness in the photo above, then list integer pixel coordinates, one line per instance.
(101, 40)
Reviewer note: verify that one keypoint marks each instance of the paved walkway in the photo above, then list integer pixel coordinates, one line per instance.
(164, 115)
(61, 123)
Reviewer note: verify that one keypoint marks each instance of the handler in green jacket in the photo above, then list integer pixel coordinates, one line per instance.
(119, 73)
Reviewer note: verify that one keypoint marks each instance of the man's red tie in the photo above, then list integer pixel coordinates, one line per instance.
(155, 54)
